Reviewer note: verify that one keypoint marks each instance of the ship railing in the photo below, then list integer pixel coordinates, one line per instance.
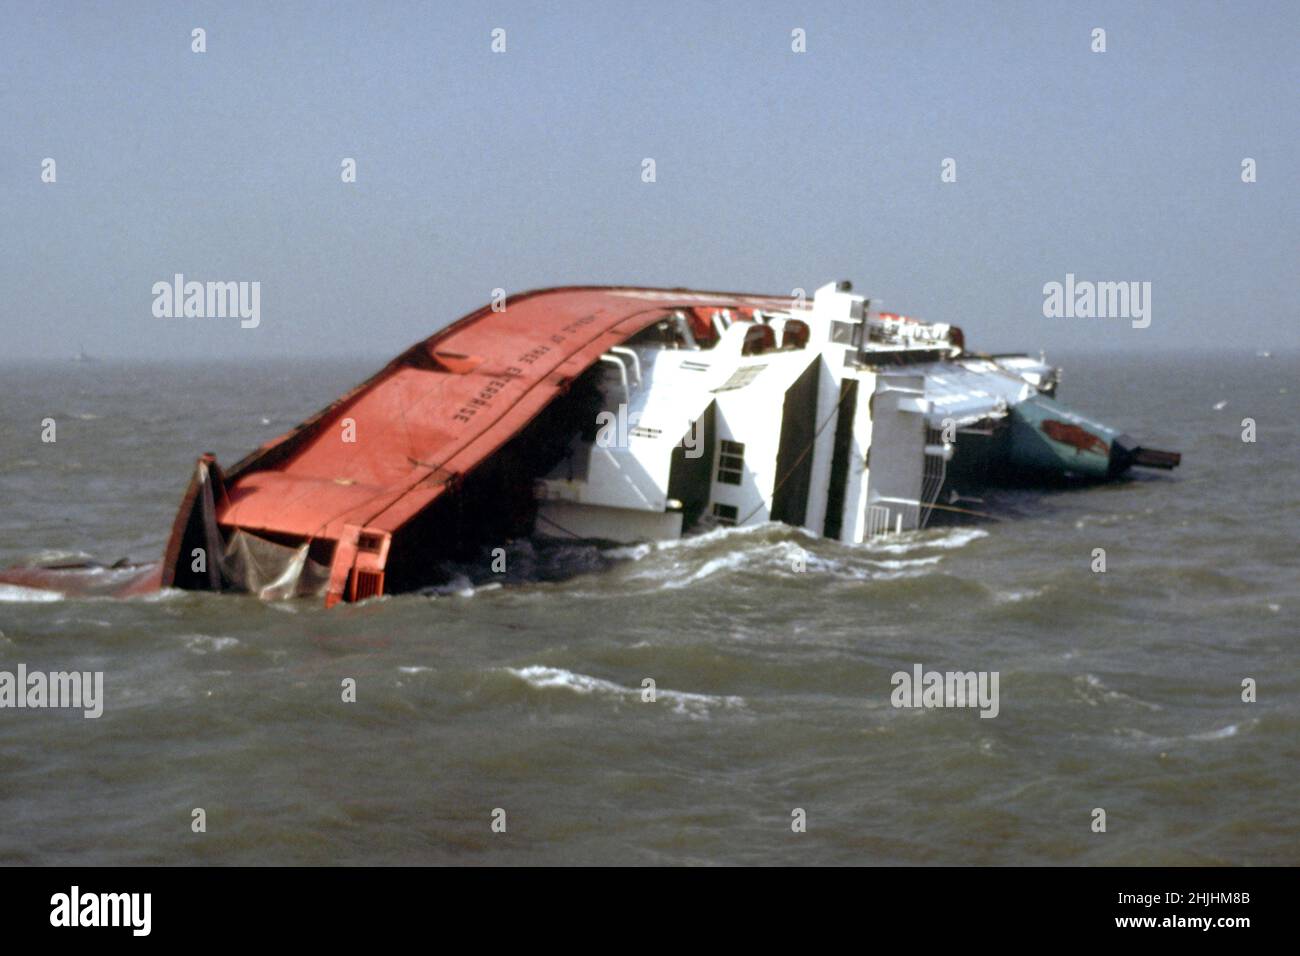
(628, 365)
(934, 473)
(906, 511)
(617, 363)
(633, 357)
(877, 520)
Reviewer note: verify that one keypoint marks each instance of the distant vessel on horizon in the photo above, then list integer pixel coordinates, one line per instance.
(84, 356)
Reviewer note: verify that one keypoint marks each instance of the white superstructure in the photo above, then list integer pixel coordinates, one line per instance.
(833, 417)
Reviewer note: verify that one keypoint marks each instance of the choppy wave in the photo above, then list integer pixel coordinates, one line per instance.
(697, 706)
(1016, 597)
(17, 594)
(460, 585)
(1221, 734)
(50, 556)
(209, 644)
(1161, 741)
(780, 551)
(1093, 691)
(768, 550)
(947, 539)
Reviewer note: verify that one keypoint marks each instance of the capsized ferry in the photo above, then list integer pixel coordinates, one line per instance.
(620, 414)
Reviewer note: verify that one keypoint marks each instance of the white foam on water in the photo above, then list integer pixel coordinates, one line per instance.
(786, 558)
(83, 621)
(162, 594)
(205, 643)
(1093, 691)
(857, 567)
(1110, 519)
(1220, 734)
(631, 552)
(921, 540)
(544, 677)
(17, 594)
(902, 564)
(727, 562)
(60, 556)
(696, 541)
(460, 586)
(1015, 597)
(696, 706)
(1156, 741)
(414, 670)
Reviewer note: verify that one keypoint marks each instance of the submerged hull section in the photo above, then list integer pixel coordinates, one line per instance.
(619, 414)
(87, 580)
(1040, 441)
(362, 480)
(1047, 438)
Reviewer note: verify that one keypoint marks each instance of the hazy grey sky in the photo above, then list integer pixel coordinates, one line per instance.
(521, 169)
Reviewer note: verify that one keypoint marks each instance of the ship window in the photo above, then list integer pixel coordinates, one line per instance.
(795, 334)
(846, 333)
(759, 339)
(731, 463)
(725, 514)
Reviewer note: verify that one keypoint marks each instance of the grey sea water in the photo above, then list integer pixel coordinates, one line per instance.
(1119, 690)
